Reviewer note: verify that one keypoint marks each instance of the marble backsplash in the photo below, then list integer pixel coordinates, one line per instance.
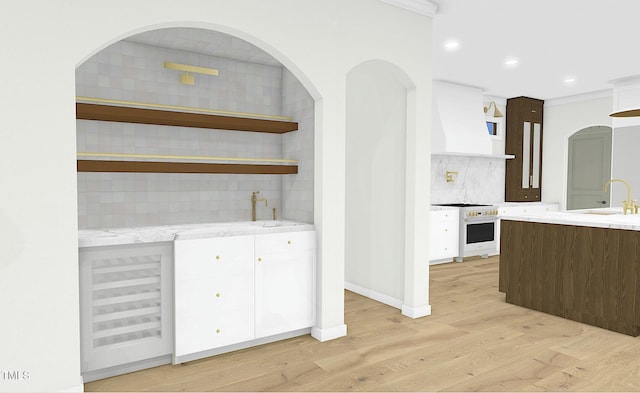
(479, 179)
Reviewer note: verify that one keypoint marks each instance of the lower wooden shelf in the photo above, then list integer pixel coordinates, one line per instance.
(182, 167)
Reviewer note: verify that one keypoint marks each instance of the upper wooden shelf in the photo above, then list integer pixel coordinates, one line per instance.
(180, 119)
(182, 167)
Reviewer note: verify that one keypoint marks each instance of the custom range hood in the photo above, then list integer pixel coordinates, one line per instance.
(458, 121)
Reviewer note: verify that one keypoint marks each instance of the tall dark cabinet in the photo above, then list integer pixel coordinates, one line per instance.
(523, 179)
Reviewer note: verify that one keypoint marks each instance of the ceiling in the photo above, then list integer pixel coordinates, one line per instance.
(594, 42)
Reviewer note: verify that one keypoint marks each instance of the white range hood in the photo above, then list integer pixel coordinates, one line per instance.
(458, 122)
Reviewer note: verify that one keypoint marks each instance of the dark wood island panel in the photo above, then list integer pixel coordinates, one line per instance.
(586, 274)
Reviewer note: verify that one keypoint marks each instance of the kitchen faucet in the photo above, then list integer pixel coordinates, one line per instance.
(629, 204)
(254, 199)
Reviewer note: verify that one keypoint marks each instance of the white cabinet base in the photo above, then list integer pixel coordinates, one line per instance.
(243, 345)
(240, 291)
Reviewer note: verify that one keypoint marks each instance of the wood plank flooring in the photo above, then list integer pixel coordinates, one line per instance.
(473, 341)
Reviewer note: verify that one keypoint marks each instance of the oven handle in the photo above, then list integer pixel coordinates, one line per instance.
(480, 220)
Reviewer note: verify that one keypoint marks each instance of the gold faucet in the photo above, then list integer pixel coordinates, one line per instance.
(629, 204)
(254, 199)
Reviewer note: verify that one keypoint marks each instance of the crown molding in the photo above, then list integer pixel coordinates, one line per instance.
(423, 7)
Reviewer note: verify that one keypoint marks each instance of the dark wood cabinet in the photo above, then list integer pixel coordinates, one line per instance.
(523, 180)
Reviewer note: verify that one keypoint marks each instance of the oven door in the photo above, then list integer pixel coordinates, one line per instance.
(479, 237)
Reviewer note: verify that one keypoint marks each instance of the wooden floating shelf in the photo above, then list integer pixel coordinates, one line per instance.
(180, 119)
(182, 167)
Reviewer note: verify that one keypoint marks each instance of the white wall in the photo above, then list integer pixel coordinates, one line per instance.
(562, 118)
(625, 163)
(626, 138)
(318, 41)
(375, 190)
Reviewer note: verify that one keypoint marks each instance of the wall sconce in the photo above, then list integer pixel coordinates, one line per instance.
(186, 78)
(451, 176)
(495, 112)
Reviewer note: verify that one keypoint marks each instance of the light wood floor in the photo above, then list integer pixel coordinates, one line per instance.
(473, 341)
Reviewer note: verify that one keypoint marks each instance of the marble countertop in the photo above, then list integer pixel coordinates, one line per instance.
(600, 218)
(166, 233)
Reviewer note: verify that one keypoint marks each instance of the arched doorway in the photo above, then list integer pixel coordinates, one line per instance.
(589, 168)
(379, 112)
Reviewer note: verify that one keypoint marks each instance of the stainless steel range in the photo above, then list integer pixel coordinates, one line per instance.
(478, 226)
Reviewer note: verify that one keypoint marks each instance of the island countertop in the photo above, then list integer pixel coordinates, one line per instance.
(164, 233)
(611, 218)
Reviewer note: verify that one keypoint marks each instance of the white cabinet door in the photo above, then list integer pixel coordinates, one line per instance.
(285, 282)
(444, 234)
(125, 304)
(214, 293)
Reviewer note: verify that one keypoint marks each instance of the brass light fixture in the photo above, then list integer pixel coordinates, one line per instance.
(626, 113)
(187, 78)
(495, 112)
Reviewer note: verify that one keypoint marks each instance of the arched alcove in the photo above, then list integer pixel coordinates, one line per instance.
(589, 167)
(250, 83)
(378, 112)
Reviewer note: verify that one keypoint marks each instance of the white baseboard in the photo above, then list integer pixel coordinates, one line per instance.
(416, 312)
(73, 389)
(332, 333)
(375, 295)
(126, 368)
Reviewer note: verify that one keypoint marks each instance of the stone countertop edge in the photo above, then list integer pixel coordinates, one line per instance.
(169, 233)
(630, 222)
(440, 208)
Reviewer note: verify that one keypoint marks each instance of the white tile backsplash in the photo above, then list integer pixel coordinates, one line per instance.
(135, 72)
(480, 179)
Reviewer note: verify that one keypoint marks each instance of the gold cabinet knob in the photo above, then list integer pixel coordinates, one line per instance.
(288, 241)
(446, 230)
(218, 294)
(259, 259)
(217, 257)
(218, 331)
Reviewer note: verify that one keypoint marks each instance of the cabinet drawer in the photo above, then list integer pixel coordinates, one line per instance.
(207, 330)
(444, 216)
(197, 259)
(279, 243)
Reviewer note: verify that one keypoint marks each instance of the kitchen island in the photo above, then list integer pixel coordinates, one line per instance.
(582, 265)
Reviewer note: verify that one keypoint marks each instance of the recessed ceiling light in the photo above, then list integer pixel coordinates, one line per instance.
(451, 45)
(570, 80)
(511, 62)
